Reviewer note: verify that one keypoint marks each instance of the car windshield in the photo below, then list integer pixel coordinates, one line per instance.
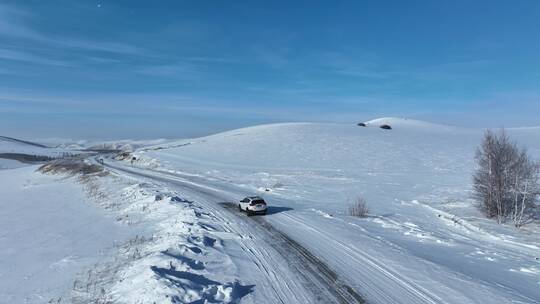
(256, 202)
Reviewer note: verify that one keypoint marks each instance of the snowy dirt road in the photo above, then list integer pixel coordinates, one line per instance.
(369, 265)
(273, 249)
(283, 271)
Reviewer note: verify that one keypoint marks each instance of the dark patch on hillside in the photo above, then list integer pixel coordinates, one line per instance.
(26, 158)
(20, 141)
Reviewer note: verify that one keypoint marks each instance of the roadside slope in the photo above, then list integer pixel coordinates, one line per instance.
(281, 270)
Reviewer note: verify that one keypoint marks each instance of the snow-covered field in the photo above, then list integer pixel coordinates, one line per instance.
(163, 229)
(423, 242)
(49, 232)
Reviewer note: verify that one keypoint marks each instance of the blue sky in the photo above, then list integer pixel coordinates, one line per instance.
(145, 69)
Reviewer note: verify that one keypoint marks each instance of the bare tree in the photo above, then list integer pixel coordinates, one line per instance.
(524, 189)
(505, 183)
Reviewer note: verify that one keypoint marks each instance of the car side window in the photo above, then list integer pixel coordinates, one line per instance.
(245, 200)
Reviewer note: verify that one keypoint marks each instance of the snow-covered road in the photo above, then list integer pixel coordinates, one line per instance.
(285, 272)
(370, 267)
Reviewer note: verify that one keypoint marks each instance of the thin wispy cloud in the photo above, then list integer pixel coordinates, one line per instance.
(12, 23)
(15, 27)
(180, 70)
(229, 65)
(17, 55)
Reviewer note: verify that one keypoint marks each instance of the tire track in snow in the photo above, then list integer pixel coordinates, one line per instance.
(318, 279)
(421, 294)
(317, 269)
(372, 282)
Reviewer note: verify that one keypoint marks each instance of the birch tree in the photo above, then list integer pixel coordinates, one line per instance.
(505, 182)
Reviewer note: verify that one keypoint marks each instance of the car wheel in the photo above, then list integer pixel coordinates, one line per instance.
(249, 213)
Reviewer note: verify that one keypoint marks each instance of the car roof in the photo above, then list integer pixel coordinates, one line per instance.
(254, 198)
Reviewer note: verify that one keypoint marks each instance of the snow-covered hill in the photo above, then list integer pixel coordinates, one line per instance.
(412, 159)
(15, 151)
(423, 234)
(124, 145)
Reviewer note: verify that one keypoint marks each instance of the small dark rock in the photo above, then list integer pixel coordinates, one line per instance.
(386, 127)
(362, 124)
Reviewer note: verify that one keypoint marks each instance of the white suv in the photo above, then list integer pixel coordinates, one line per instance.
(252, 205)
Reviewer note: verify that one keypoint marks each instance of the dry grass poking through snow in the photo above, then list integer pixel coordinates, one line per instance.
(359, 208)
(72, 166)
(86, 173)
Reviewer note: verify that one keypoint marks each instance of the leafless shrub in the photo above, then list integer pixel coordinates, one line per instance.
(123, 155)
(359, 208)
(505, 183)
(93, 189)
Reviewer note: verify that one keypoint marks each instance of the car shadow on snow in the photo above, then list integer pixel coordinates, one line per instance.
(269, 210)
(277, 209)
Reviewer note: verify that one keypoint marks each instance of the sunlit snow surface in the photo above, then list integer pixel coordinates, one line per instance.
(423, 241)
(49, 232)
(423, 235)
